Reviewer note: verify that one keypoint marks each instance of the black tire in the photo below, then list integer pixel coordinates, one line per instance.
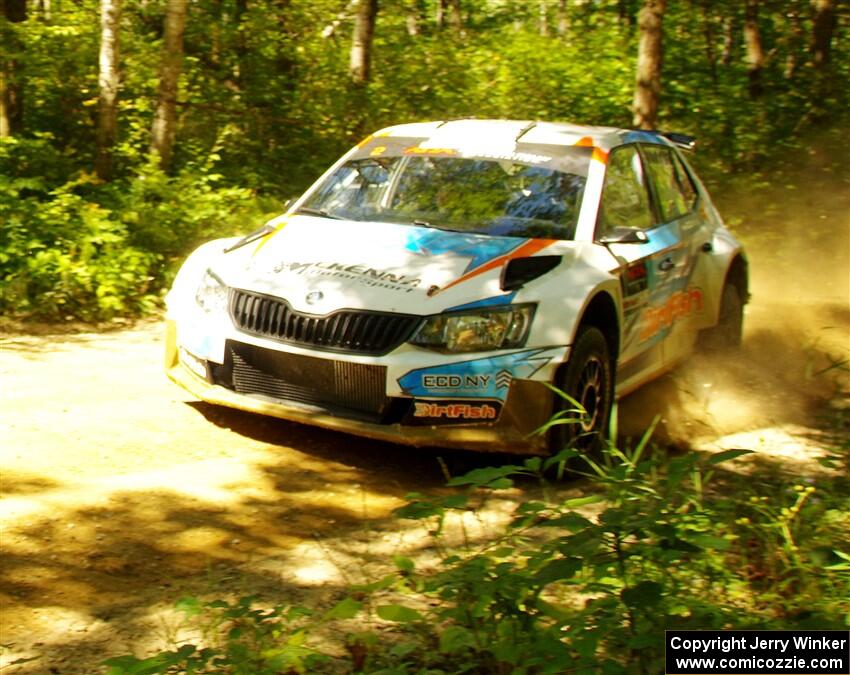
(727, 334)
(588, 378)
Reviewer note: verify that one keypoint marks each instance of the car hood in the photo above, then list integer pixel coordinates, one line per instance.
(320, 265)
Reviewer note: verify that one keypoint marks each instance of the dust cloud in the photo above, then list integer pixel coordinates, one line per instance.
(793, 370)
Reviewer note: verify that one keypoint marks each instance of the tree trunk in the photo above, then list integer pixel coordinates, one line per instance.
(440, 16)
(795, 43)
(824, 27)
(165, 117)
(625, 13)
(755, 51)
(563, 18)
(728, 41)
(708, 33)
(361, 41)
(648, 80)
(415, 12)
(11, 89)
(543, 19)
(109, 79)
(455, 19)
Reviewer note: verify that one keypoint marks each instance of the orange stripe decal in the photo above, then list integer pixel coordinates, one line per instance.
(524, 250)
(600, 155)
(584, 142)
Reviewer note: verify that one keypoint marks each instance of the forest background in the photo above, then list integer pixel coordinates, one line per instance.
(132, 130)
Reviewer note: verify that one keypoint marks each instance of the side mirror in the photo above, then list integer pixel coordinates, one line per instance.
(625, 235)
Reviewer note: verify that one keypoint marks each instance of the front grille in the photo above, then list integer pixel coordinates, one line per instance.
(347, 330)
(351, 389)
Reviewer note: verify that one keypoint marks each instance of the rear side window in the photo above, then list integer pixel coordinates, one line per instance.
(625, 197)
(673, 187)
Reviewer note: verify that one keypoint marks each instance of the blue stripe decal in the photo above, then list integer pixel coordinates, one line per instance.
(479, 248)
(488, 378)
(495, 301)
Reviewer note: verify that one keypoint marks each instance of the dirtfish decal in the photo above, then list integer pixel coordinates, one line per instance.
(362, 274)
(452, 412)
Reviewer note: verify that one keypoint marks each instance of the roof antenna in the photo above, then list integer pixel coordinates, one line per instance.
(525, 131)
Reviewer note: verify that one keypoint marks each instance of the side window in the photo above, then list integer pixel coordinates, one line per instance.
(676, 193)
(685, 182)
(625, 199)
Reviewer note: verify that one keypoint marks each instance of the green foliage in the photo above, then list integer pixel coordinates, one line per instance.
(261, 113)
(243, 640)
(572, 584)
(94, 251)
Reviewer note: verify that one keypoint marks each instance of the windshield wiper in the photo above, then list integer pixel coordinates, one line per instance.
(253, 236)
(309, 211)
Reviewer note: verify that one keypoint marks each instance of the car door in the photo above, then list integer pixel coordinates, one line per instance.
(675, 197)
(628, 225)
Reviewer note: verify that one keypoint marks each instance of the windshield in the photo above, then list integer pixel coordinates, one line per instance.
(498, 196)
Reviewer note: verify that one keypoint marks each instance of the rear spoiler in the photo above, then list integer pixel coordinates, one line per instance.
(682, 141)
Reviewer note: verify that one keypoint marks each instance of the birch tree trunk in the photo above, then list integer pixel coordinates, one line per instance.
(755, 51)
(543, 19)
(563, 18)
(361, 41)
(648, 80)
(165, 117)
(109, 80)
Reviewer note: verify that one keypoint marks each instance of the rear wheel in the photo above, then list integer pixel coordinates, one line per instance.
(588, 380)
(726, 335)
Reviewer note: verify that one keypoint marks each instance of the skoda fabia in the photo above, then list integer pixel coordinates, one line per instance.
(439, 280)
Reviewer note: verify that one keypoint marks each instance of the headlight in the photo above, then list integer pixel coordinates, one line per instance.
(478, 331)
(211, 295)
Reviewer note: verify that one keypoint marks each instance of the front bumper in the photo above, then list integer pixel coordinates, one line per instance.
(527, 408)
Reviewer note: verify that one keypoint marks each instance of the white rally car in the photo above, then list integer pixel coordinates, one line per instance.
(432, 283)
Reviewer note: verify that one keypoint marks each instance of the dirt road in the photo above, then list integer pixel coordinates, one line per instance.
(120, 493)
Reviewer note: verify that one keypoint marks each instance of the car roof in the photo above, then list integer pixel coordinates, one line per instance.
(464, 132)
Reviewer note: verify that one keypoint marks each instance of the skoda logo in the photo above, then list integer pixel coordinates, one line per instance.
(314, 297)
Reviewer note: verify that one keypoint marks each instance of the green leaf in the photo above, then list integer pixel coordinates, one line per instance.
(485, 476)
(344, 609)
(645, 594)
(727, 455)
(403, 563)
(398, 613)
(569, 521)
(189, 606)
(578, 502)
(710, 542)
(564, 568)
(455, 638)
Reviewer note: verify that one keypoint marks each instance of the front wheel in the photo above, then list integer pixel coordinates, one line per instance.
(588, 380)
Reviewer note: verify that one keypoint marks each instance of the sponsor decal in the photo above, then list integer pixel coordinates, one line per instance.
(361, 273)
(679, 305)
(453, 412)
(480, 378)
(437, 381)
(429, 151)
